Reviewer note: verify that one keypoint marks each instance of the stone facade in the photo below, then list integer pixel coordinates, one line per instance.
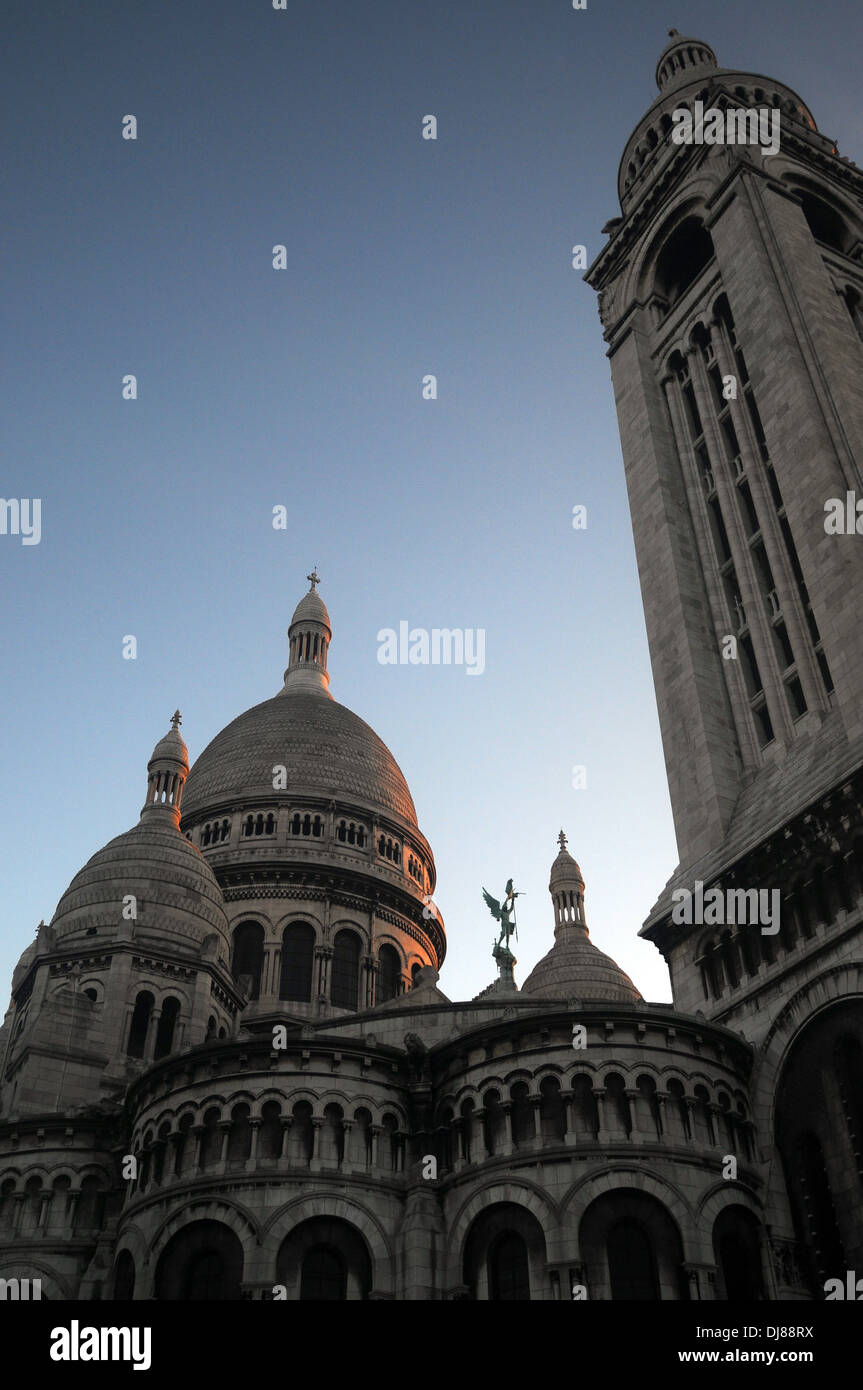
(228, 1070)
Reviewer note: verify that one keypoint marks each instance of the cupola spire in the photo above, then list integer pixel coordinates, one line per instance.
(566, 887)
(309, 635)
(167, 771)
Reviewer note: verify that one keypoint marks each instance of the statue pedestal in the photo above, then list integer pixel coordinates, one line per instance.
(506, 963)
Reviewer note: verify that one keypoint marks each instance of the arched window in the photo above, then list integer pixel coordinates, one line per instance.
(345, 970)
(521, 1115)
(508, 1274)
(825, 224)
(631, 1263)
(166, 1028)
(298, 950)
(249, 955)
(270, 1135)
(552, 1116)
(389, 973)
(140, 1023)
(682, 259)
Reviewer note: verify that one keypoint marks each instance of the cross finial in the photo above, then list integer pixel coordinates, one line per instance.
(674, 33)
(561, 840)
(314, 578)
(176, 719)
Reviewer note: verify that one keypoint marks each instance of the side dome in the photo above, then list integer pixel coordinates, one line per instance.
(325, 749)
(175, 890)
(574, 968)
(176, 896)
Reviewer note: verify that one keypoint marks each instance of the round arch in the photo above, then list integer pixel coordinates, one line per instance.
(321, 1204)
(517, 1193)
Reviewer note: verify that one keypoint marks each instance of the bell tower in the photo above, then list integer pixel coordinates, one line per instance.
(730, 294)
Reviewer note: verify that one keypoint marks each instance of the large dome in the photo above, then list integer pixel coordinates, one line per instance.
(325, 748)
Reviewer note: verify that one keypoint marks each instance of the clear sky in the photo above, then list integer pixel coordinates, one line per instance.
(303, 388)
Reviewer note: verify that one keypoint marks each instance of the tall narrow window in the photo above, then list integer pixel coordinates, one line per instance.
(249, 955)
(140, 1023)
(389, 973)
(165, 1039)
(298, 948)
(346, 970)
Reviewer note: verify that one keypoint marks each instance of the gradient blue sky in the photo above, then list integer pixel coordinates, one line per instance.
(257, 388)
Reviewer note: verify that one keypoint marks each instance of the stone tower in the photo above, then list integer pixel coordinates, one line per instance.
(730, 293)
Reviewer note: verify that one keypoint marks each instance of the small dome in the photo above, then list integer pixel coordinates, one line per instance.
(175, 890)
(172, 747)
(564, 871)
(311, 607)
(575, 969)
(683, 60)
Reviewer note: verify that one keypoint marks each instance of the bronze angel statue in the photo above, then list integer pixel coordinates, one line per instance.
(504, 913)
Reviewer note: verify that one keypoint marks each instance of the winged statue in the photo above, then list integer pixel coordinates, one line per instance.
(504, 912)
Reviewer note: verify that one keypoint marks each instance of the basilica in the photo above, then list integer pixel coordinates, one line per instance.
(229, 1070)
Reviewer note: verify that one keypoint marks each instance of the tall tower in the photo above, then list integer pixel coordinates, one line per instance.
(730, 293)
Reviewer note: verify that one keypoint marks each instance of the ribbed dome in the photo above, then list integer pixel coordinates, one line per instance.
(175, 889)
(326, 749)
(311, 609)
(564, 870)
(171, 746)
(575, 969)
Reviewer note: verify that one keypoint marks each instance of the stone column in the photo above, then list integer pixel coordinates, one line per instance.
(569, 1136)
(599, 1096)
(252, 1160)
(347, 1156)
(479, 1131)
(152, 1026)
(198, 1132)
(285, 1122)
(508, 1141)
(314, 1159)
(638, 1134)
(535, 1103)
(661, 1098)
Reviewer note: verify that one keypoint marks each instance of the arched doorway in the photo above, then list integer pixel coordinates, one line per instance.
(202, 1262)
(632, 1249)
(737, 1251)
(325, 1259)
(818, 1132)
(504, 1256)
